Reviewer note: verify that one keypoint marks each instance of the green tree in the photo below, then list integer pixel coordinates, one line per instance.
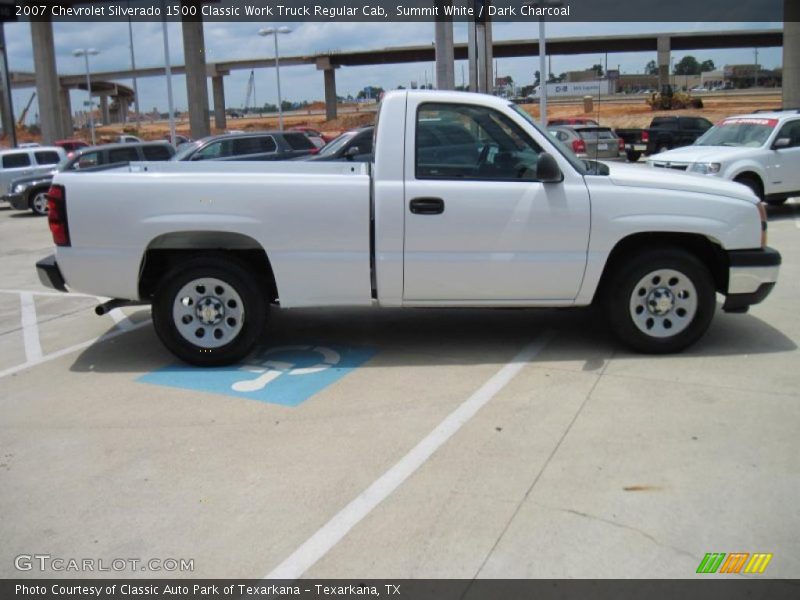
(688, 65)
(706, 66)
(651, 68)
(598, 69)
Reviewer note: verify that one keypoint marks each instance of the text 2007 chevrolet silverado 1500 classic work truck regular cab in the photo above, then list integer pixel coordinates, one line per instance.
(492, 213)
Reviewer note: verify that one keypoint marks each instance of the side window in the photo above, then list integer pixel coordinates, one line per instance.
(253, 145)
(118, 155)
(791, 130)
(364, 143)
(298, 141)
(16, 161)
(88, 160)
(156, 153)
(210, 152)
(47, 158)
(460, 141)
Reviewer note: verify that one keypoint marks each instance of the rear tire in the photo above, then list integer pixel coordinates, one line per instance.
(209, 311)
(38, 203)
(633, 155)
(775, 201)
(662, 301)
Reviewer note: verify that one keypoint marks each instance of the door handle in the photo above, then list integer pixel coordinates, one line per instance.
(427, 206)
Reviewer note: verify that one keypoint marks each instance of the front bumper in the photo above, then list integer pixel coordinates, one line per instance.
(752, 275)
(50, 275)
(17, 201)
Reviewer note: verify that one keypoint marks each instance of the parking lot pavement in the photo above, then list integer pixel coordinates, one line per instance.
(449, 443)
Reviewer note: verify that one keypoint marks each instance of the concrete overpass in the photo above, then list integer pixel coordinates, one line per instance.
(197, 71)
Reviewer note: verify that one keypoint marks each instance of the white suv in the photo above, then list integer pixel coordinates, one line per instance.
(24, 162)
(760, 150)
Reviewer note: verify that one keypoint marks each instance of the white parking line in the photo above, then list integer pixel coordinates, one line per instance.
(30, 328)
(340, 525)
(71, 349)
(120, 319)
(54, 294)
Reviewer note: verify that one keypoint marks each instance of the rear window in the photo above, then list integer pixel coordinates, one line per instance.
(15, 161)
(118, 155)
(47, 158)
(298, 141)
(664, 124)
(596, 134)
(156, 152)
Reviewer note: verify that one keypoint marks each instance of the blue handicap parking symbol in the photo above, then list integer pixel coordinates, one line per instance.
(286, 375)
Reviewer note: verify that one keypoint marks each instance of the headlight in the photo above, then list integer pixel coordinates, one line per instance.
(18, 189)
(705, 168)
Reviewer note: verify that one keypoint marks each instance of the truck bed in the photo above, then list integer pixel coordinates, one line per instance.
(312, 219)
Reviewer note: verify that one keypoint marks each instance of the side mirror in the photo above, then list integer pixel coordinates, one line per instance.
(781, 142)
(547, 169)
(352, 152)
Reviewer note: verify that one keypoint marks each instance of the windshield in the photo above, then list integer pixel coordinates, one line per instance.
(185, 150)
(337, 144)
(748, 133)
(579, 165)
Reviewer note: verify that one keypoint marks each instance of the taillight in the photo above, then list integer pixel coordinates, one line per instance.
(578, 146)
(645, 136)
(57, 215)
(621, 144)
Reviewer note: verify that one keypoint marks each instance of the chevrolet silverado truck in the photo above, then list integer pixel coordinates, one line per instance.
(500, 214)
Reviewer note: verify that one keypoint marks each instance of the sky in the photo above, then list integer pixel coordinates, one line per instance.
(239, 40)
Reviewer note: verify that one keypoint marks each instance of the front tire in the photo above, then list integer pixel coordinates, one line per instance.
(209, 311)
(39, 203)
(660, 302)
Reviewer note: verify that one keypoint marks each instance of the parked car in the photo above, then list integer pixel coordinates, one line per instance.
(27, 162)
(663, 134)
(354, 145)
(516, 221)
(761, 151)
(572, 121)
(267, 145)
(71, 145)
(129, 139)
(31, 192)
(591, 142)
(315, 135)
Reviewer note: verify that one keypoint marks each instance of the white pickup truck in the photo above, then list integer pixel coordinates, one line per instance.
(467, 203)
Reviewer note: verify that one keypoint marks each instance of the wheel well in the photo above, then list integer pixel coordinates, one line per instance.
(710, 253)
(33, 191)
(167, 251)
(750, 175)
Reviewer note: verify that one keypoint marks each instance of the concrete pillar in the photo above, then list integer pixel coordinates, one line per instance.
(196, 86)
(791, 54)
(105, 115)
(67, 127)
(445, 63)
(330, 94)
(218, 89)
(663, 48)
(47, 86)
(479, 50)
(329, 73)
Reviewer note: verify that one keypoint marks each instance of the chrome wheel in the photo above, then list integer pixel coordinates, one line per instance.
(663, 303)
(39, 203)
(208, 312)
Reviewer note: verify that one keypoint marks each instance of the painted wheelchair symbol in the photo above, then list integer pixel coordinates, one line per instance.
(271, 369)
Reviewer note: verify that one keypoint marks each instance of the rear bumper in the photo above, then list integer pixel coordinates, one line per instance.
(50, 275)
(751, 277)
(636, 147)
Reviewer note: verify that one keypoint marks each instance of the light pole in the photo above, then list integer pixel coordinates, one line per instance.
(133, 68)
(543, 74)
(273, 31)
(86, 53)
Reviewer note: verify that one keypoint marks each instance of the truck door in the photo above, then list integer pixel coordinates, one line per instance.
(479, 227)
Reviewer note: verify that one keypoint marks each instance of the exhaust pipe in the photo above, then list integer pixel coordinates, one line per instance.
(107, 307)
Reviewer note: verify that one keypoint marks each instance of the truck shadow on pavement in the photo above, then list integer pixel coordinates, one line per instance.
(784, 212)
(405, 337)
